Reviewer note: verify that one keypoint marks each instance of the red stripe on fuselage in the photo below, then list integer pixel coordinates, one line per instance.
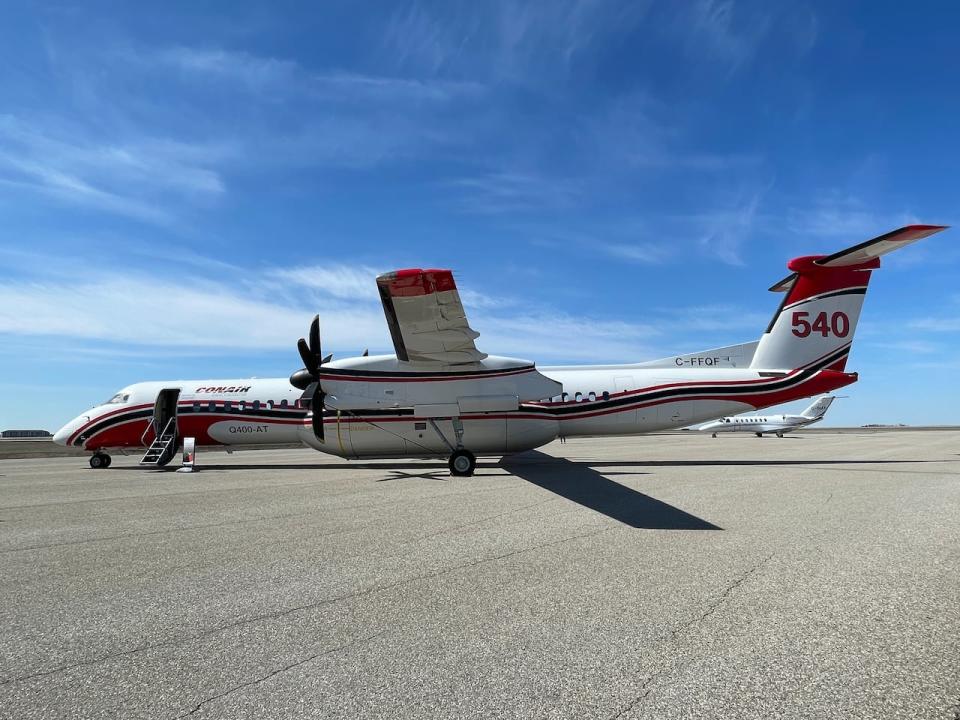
(819, 383)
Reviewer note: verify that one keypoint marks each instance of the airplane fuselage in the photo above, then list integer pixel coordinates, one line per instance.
(375, 414)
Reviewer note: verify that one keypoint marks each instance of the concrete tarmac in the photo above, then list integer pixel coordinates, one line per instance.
(667, 576)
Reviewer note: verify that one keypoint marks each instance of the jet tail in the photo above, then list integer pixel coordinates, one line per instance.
(814, 325)
(819, 407)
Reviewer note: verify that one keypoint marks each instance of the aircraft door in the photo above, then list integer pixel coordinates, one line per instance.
(165, 411)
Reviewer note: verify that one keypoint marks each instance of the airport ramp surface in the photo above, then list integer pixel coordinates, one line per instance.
(668, 576)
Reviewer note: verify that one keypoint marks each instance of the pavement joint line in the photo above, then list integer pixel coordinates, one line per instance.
(647, 686)
(279, 671)
(723, 597)
(300, 608)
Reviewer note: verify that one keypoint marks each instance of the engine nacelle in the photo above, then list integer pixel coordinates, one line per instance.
(383, 382)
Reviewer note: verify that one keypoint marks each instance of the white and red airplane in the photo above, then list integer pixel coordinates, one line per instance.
(439, 396)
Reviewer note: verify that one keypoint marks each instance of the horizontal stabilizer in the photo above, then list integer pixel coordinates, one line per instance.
(871, 249)
(731, 356)
(868, 251)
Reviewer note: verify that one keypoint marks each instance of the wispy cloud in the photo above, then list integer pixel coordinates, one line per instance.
(341, 281)
(515, 192)
(837, 215)
(938, 324)
(721, 31)
(513, 41)
(641, 253)
(125, 178)
(725, 231)
(912, 347)
(200, 316)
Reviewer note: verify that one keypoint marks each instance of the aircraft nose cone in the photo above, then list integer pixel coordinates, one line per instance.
(60, 436)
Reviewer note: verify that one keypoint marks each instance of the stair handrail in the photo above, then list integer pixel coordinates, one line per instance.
(173, 437)
(146, 430)
(159, 435)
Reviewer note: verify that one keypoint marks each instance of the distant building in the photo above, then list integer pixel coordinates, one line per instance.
(19, 434)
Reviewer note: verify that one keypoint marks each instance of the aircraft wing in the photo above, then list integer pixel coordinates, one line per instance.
(426, 318)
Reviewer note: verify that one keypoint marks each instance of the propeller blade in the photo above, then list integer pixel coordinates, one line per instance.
(326, 359)
(316, 407)
(309, 359)
(315, 336)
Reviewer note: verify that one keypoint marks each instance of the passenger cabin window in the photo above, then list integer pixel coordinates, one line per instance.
(241, 406)
(606, 395)
(228, 405)
(592, 396)
(269, 404)
(283, 403)
(212, 406)
(565, 397)
(578, 397)
(196, 407)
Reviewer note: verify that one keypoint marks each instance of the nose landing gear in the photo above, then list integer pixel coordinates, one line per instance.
(100, 460)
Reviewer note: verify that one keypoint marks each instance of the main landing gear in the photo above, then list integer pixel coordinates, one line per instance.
(462, 463)
(759, 434)
(100, 460)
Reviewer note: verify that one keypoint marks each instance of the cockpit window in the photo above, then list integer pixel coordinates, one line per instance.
(119, 398)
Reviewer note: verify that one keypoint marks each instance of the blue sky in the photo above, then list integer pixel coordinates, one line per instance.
(183, 186)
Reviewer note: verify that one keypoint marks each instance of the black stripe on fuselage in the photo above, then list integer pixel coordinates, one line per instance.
(188, 410)
(641, 396)
(349, 372)
(678, 393)
(109, 422)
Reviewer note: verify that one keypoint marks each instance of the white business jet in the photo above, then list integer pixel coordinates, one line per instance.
(777, 424)
(438, 395)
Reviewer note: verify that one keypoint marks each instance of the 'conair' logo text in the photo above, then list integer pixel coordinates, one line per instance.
(230, 389)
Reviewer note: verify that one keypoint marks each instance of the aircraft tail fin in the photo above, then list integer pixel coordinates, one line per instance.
(815, 323)
(819, 407)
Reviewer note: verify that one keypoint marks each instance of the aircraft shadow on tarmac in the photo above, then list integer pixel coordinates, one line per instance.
(580, 483)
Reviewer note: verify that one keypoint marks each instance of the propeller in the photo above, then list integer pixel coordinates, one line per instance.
(307, 378)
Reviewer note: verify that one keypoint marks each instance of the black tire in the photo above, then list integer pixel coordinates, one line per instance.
(779, 435)
(462, 463)
(97, 461)
(107, 460)
(714, 435)
(759, 434)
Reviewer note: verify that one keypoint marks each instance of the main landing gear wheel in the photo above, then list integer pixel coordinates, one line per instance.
(779, 434)
(759, 434)
(713, 435)
(99, 460)
(462, 463)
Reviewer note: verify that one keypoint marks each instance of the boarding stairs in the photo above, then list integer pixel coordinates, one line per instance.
(163, 447)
